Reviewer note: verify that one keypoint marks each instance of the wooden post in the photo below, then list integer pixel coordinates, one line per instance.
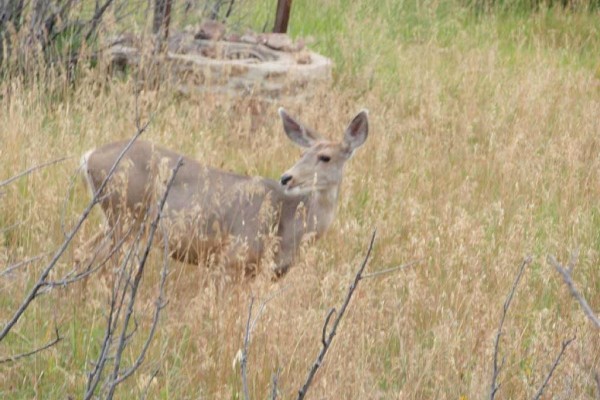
(282, 16)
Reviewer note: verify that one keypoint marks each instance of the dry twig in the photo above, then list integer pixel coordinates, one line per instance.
(116, 379)
(496, 369)
(16, 357)
(327, 342)
(115, 308)
(393, 269)
(275, 380)
(33, 169)
(565, 344)
(244, 362)
(250, 324)
(566, 275)
(19, 264)
(44, 275)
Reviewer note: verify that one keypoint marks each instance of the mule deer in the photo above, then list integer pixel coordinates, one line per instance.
(239, 219)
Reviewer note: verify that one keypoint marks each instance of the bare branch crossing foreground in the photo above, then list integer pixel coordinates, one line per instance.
(33, 169)
(46, 272)
(496, 369)
(250, 324)
(116, 379)
(393, 269)
(566, 275)
(19, 264)
(243, 364)
(565, 344)
(17, 357)
(327, 342)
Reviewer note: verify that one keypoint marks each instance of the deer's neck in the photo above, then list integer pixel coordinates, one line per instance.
(321, 206)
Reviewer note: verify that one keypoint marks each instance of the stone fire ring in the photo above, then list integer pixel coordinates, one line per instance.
(236, 68)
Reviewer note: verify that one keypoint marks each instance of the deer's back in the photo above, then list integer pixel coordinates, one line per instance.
(205, 208)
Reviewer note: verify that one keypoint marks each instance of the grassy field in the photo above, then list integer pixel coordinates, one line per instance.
(483, 149)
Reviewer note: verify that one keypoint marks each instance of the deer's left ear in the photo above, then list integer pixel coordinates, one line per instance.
(357, 131)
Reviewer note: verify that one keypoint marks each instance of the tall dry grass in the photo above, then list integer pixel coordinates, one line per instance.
(483, 148)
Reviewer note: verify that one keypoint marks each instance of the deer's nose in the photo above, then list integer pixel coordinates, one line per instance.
(285, 179)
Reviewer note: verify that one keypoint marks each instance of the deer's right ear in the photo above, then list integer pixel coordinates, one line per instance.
(296, 131)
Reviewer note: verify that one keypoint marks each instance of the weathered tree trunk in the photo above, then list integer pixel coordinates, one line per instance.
(282, 16)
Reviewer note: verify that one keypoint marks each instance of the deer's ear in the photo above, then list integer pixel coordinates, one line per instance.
(357, 131)
(296, 131)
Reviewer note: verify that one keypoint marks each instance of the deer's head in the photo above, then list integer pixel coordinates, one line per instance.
(322, 163)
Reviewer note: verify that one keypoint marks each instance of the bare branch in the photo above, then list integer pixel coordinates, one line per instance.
(275, 379)
(597, 379)
(229, 10)
(160, 304)
(566, 275)
(263, 305)
(250, 324)
(496, 369)
(147, 388)
(393, 269)
(33, 169)
(30, 353)
(324, 333)
(44, 275)
(327, 342)
(243, 364)
(95, 21)
(63, 208)
(10, 227)
(135, 285)
(111, 325)
(19, 264)
(73, 277)
(565, 344)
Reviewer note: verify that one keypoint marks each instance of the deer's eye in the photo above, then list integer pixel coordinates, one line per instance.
(324, 158)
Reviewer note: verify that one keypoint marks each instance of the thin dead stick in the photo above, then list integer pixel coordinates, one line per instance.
(263, 305)
(44, 275)
(565, 344)
(111, 325)
(11, 227)
(597, 379)
(63, 208)
(135, 284)
(159, 305)
(17, 357)
(19, 264)
(324, 333)
(275, 379)
(244, 363)
(393, 269)
(566, 275)
(73, 277)
(327, 343)
(147, 388)
(33, 169)
(116, 306)
(496, 369)
(250, 324)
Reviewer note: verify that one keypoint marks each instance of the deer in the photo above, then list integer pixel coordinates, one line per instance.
(240, 220)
